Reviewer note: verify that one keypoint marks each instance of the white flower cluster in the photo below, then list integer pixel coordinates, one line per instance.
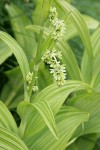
(29, 80)
(57, 25)
(58, 70)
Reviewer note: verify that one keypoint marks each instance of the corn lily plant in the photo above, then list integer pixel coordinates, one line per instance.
(56, 99)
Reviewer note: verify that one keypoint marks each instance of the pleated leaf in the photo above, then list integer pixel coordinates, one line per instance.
(25, 38)
(68, 58)
(4, 52)
(91, 104)
(79, 23)
(17, 51)
(53, 93)
(91, 70)
(96, 63)
(55, 96)
(44, 110)
(68, 119)
(44, 7)
(10, 141)
(6, 119)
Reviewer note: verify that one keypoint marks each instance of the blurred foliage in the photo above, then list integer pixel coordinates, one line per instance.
(90, 7)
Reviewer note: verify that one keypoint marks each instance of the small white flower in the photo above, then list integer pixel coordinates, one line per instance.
(29, 77)
(59, 74)
(35, 88)
(58, 71)
(53, 13)
(53, 9)
(54, 63)
(49, 56)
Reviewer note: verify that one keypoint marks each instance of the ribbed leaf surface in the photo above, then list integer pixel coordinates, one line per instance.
(4, 52)
(68, 119)
(25, 38)
(9, 141)
(55, 97)
(91, 104)
(44, 110)
(17, 51)
(6, 119)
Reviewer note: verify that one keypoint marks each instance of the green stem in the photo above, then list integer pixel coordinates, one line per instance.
(38, 54)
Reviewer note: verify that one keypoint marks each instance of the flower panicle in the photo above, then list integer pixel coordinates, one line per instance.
(57, 25)
(56, 69)
(29, 77)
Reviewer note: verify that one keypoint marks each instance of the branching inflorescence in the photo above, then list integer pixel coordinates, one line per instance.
(57, 25)
(58, 70)
(50, 56)
(29, 80)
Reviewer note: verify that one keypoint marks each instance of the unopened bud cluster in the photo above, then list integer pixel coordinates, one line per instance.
(29, 80)
(58, 70)
(57, 25)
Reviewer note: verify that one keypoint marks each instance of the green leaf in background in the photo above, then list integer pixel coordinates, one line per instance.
(6, 119)
(89, 103)
(17, 51)
(5, 52)
(84, 142)
(96, 63)
(92, 77)
(10, 141)
(68, 119)
(13, 91)
(68, 58)
(45, 6)
(79, 23)
(91, 22)
(25, 38)
(44, 77)
(71, 30)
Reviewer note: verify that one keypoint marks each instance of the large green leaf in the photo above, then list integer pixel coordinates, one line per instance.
(91, 104)
(44, 110)
(4, 52)
(68, 119)
(91, 70)
(6, 119)
(55, 96)
(96, 63)
(68, 58)
(25, 38)
(18, 52)
(41, 8)
(79, 23)
(10, 141)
